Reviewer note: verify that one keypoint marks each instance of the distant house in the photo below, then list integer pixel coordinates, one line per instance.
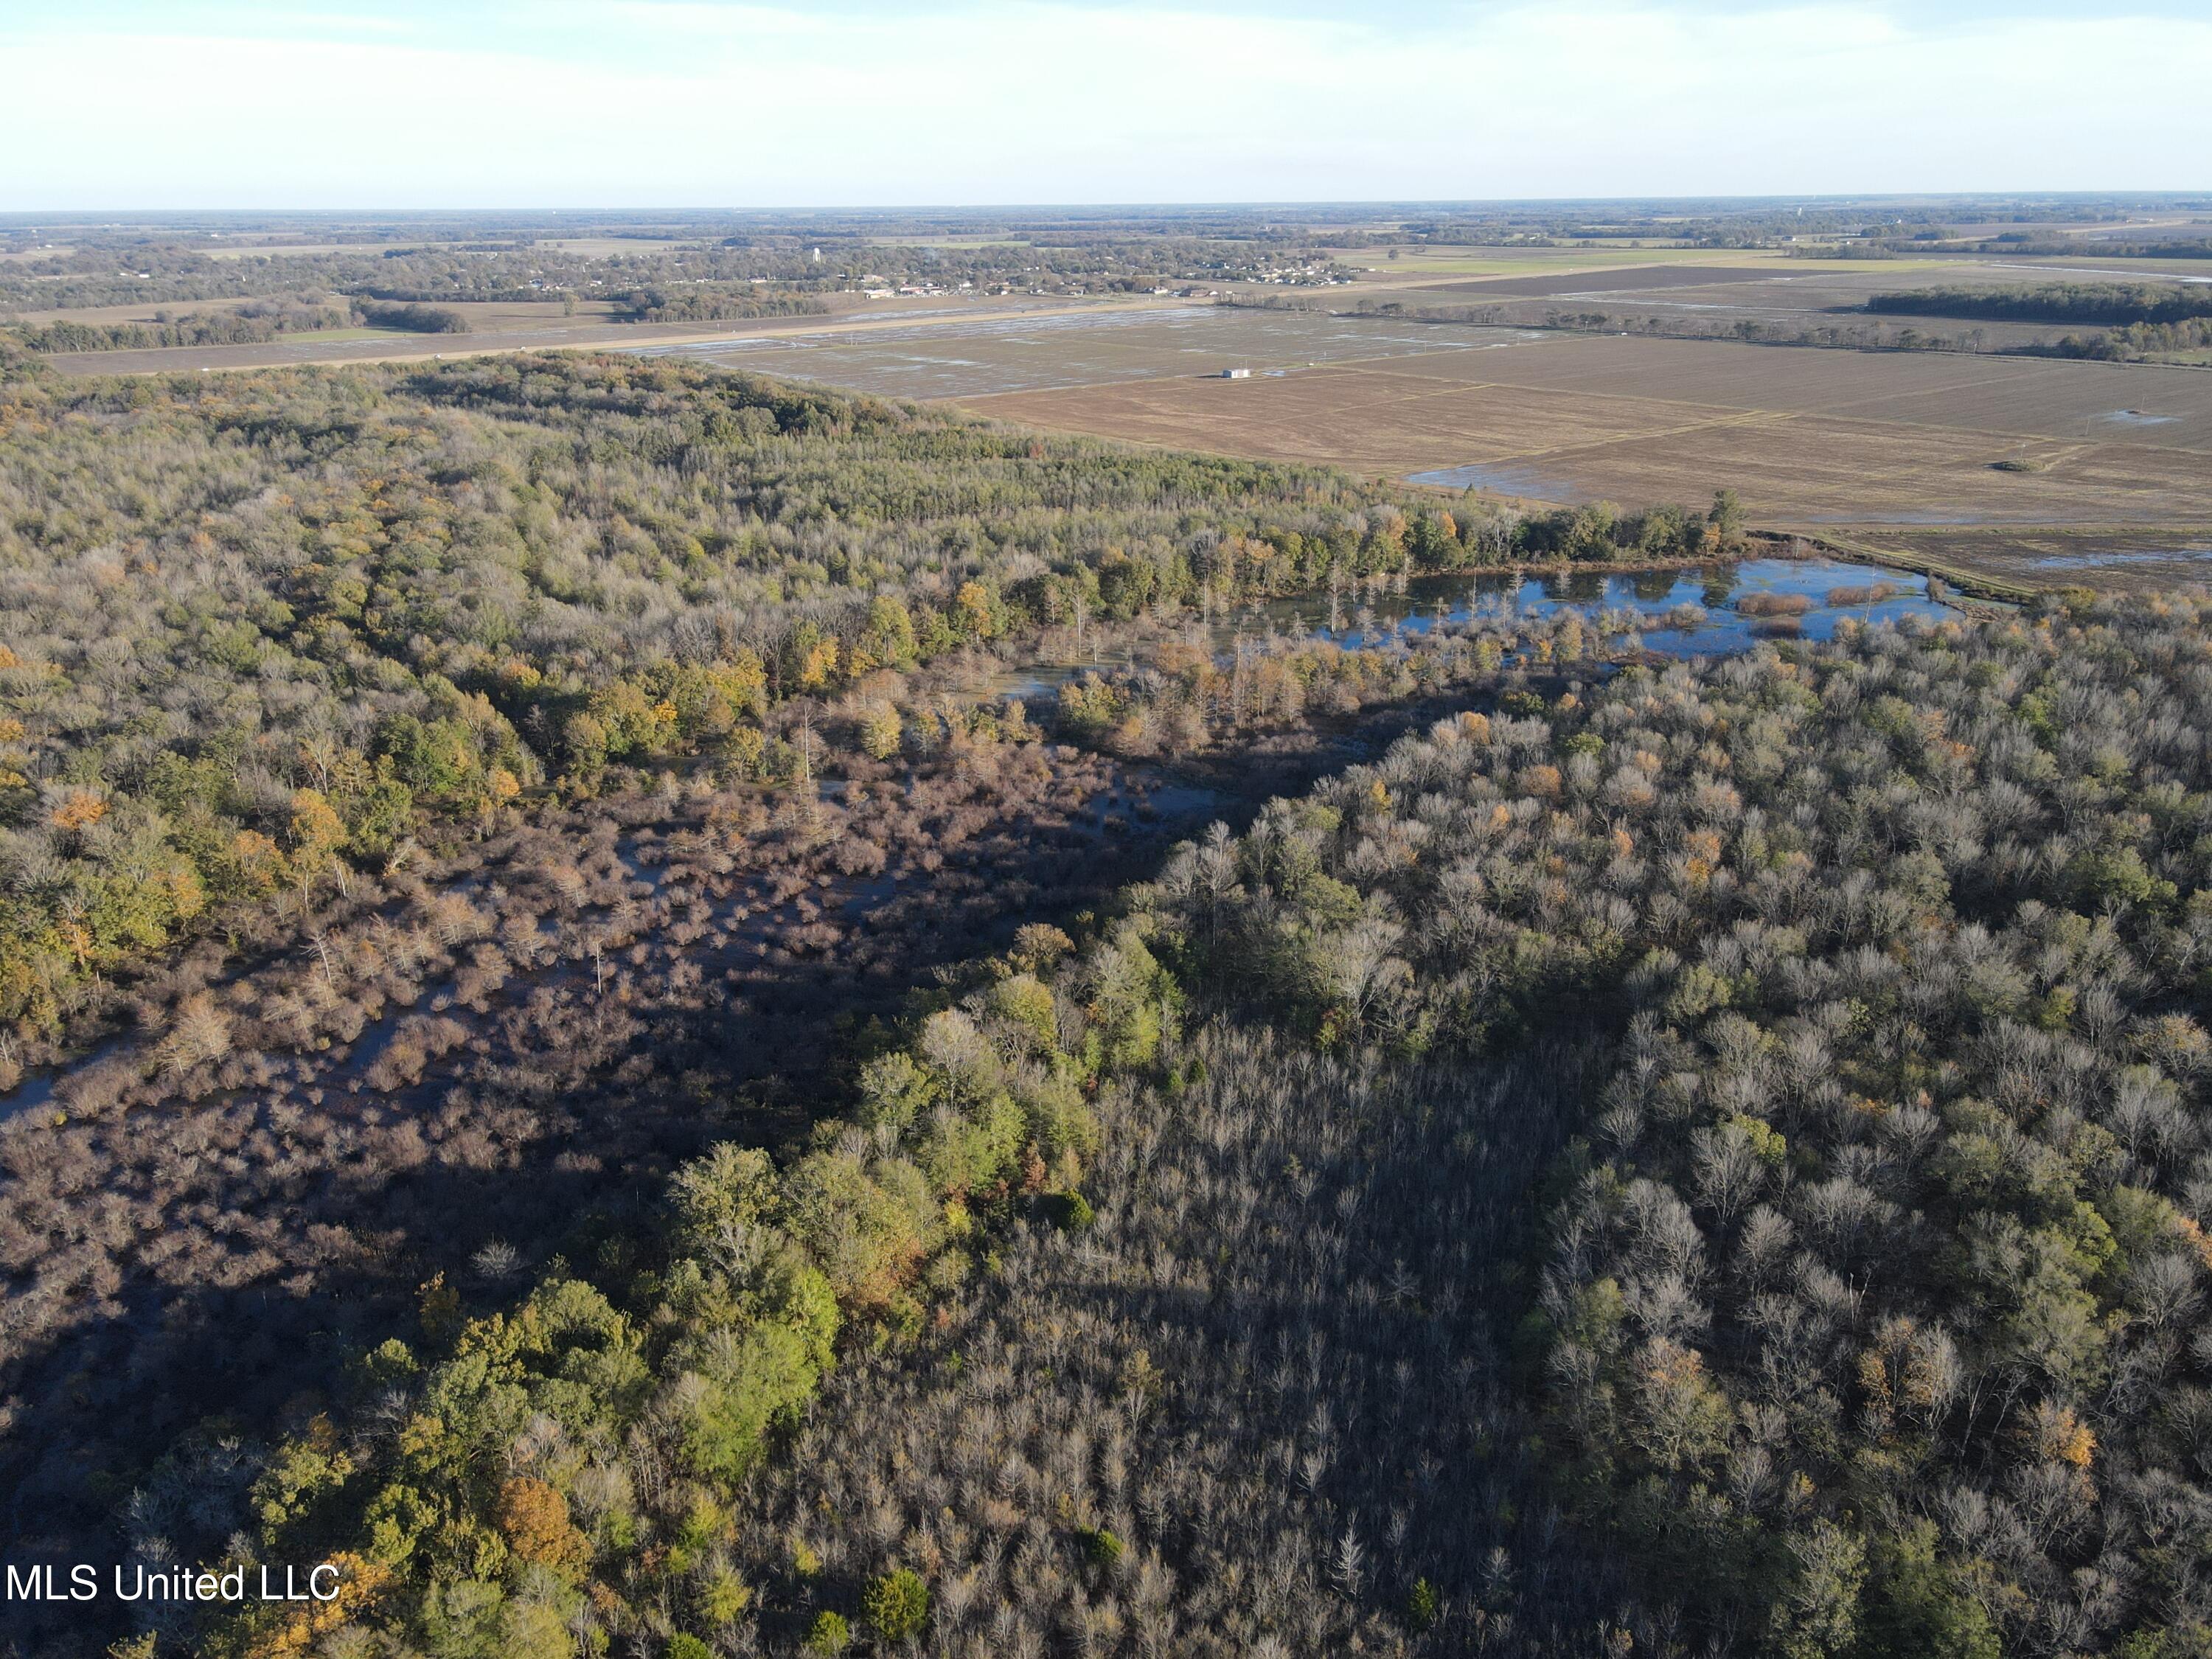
(1236, 373)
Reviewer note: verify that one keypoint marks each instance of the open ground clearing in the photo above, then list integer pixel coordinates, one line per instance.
(1072, 348)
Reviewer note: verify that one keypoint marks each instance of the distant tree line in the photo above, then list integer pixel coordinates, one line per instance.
(2117, 304)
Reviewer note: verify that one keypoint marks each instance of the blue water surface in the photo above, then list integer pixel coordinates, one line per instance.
(1693, 610)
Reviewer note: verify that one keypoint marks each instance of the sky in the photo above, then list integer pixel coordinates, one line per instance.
(179, 104)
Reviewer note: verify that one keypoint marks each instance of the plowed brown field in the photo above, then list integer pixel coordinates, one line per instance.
(1807, 437)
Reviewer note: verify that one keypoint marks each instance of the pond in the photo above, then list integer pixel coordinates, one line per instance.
(1688, 611)
(1506, 477)
(37, 1090)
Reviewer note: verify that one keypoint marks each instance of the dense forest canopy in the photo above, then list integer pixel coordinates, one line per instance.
(260, 628)
(1698, 1159)
(1816, 1038)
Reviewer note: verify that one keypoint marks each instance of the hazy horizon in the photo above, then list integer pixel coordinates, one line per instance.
(135, 107)
(126, 212)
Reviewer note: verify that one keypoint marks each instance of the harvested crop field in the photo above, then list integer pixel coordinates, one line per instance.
(1384, 264)
(1783, 295)
(963, 359)
(2005, 396)
(1807, 437)
(1630, 279)
(2118, 559)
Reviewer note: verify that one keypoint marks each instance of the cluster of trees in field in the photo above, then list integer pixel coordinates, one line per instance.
(2136, 343)
(2142, 321)
(526, 270)
(1395, 543)
(412, 317)
(1715, 1163)
(2117, 304)
(713, 303)
(256, 321)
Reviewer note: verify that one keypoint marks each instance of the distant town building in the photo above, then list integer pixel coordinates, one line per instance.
(1236, 373)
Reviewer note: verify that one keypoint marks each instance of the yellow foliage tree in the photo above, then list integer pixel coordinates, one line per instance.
(316, 833)
(76, 811)
(533, 1518)
(819, 664)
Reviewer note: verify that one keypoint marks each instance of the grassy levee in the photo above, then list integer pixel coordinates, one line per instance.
(1973, 584)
